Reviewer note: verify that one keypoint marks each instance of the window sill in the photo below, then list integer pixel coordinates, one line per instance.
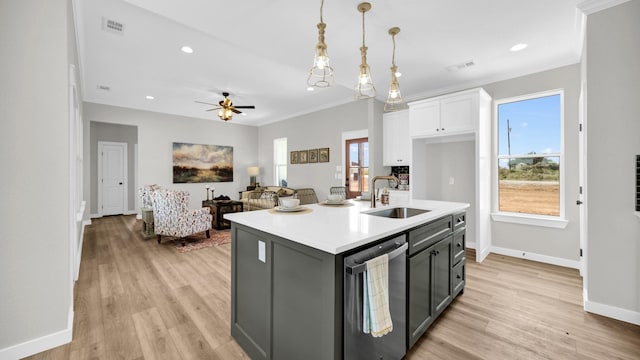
(534, 220)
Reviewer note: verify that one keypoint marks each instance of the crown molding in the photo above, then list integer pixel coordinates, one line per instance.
(589, 7)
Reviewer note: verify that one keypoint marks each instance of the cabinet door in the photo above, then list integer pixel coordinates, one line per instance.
(441, 275)
(420, 315)
(250, 288)
(396, 139)
(457, 114)
(424, 119)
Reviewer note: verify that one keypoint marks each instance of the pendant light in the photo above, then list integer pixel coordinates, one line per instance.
(321, 74)
(364, 87)
(394, 99)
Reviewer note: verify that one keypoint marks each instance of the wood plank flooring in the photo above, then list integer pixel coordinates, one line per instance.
(136, 299)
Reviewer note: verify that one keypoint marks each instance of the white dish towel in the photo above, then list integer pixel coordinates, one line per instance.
(376, 315)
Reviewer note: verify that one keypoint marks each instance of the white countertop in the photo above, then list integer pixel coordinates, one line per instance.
(336, 229)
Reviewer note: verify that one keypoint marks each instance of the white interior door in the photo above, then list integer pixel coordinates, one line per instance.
(113, 182)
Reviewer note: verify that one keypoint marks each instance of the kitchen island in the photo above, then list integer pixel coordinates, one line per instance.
(287, 290)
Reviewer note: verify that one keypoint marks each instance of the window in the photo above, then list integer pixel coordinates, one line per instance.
(280, 161)
(529, 155)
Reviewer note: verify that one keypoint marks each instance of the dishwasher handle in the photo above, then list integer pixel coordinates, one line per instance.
(357, 269)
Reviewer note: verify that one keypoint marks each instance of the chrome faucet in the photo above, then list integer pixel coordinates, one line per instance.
(372, 188)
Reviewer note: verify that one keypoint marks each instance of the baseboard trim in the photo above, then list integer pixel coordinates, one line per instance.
(40, 344)
(613, 312)
(536, 257)
(128, 212)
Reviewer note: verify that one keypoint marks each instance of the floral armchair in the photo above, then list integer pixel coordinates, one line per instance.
(172, 217)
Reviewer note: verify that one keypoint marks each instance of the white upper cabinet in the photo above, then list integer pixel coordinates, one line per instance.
(445, 115)
(396, 141)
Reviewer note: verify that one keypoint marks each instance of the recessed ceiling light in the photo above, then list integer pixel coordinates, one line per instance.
(310, 88)
(149, 97)
(187, 49)
(518, 47)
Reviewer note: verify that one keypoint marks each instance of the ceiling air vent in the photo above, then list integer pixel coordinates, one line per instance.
(112, 26)
(461, 66)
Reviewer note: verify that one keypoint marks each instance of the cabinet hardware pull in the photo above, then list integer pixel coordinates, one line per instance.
(458, 277)
(459, 245)
(432, 236)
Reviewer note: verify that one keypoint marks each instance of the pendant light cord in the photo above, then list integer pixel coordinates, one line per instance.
(321, 5)
(393, 57)
(363, 28)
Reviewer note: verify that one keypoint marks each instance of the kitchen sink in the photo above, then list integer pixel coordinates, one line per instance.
(398, 212)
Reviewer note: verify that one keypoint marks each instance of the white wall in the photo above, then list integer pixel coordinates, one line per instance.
(157, 132)
(36, 305)
(443, 161)
(613, 140)
(561, 245)
(317, 130)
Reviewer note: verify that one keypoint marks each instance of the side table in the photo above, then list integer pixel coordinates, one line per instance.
(147, 223)
(219, 208)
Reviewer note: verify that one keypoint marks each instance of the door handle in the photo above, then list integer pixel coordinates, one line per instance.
(578, 202)
(120, 183)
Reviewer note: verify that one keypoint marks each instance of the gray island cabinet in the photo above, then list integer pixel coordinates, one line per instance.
(287, 276)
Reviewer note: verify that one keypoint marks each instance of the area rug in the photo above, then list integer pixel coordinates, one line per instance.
(200, 241)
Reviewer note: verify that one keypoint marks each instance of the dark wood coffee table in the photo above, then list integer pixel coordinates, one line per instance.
(219, 208)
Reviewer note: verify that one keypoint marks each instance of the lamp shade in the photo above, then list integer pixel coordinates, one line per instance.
(253, 171)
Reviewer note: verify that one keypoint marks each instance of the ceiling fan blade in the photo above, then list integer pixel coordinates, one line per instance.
(202, 102)
(213, 109)
(235, 110)
(245, 107)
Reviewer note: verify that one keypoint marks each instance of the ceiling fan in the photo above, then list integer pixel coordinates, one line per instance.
(226, 107)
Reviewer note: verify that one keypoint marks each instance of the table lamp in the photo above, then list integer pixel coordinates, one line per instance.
(253, 171)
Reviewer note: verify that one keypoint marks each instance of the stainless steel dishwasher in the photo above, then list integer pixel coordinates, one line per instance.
(358, 345)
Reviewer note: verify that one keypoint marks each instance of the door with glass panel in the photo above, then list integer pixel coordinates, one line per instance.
(357, 163)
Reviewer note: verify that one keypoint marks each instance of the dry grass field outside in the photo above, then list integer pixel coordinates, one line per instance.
(532, 197)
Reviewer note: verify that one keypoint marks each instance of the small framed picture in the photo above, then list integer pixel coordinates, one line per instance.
(293, 157)
(323, 155)
(313, 156)
(303, 156)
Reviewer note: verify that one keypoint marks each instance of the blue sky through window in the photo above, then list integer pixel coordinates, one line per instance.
(535, 126)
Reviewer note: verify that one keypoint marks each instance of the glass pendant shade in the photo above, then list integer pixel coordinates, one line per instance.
(321, 74)
(394, 98)
(364, 88)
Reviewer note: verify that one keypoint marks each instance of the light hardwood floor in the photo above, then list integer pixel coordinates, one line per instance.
(136, 299)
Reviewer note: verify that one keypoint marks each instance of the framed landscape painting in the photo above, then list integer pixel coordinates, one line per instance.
(197, 163)
(293, 157)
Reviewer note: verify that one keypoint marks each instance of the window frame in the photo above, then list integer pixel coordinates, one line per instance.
(551, 221)
(276, 164)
